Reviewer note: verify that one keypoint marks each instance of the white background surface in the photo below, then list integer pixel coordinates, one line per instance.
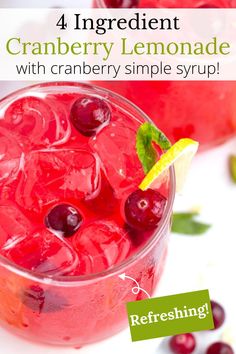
(193, 263)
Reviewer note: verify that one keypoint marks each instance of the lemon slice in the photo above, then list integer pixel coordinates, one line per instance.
(180, 155)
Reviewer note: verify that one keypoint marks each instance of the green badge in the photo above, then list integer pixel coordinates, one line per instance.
(170, 315)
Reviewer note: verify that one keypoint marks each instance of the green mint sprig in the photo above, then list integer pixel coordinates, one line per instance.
(146, 136)
(184, 223)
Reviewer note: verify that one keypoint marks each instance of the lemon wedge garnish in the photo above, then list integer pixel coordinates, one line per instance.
(180, 155)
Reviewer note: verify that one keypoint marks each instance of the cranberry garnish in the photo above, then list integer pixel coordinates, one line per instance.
(144, 209)
(41, 301)
(183, 343)
(220, 348)
(88, 114)
(122, 3)
(218, 314)
(64, 218)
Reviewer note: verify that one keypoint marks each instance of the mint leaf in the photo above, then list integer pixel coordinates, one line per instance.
(184, 223)
(146, 135)
(232, 167)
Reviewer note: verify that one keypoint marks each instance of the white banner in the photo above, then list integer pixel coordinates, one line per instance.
(109, 44)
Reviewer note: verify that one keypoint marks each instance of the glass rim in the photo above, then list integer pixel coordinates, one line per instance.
(79, 279)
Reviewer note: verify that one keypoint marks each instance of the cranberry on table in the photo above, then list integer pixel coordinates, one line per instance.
(122, 3)
(218, 314)
(220, 348)
(90, 114)
(144, 209)
(183, 343)
(64, 218)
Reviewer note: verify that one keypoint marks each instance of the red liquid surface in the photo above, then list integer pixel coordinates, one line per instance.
(44, 162)
(201, 110)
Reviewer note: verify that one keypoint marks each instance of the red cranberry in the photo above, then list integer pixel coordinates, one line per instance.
(220, 348)
(183, 343)
(218, 314)
(64, 218)
(88, 114)
(144, 209)
(122, 3)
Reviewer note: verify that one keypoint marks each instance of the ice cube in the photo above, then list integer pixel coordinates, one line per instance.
(38, 123)
(42, 252)
(11, 155)
(52, 176)
(100, 246)
(14, 225)
(115, 145)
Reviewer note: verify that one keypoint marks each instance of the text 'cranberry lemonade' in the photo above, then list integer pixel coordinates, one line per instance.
(204, 111)
(72, 216)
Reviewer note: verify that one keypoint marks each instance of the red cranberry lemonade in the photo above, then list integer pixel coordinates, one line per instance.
(72, 217)
(201, 110)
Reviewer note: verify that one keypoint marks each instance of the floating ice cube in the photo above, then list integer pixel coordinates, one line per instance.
(11, 155)
(42, 252)
(37, 122)
(52, 176)
(115, 145)
(14, 225)
(100, 246)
